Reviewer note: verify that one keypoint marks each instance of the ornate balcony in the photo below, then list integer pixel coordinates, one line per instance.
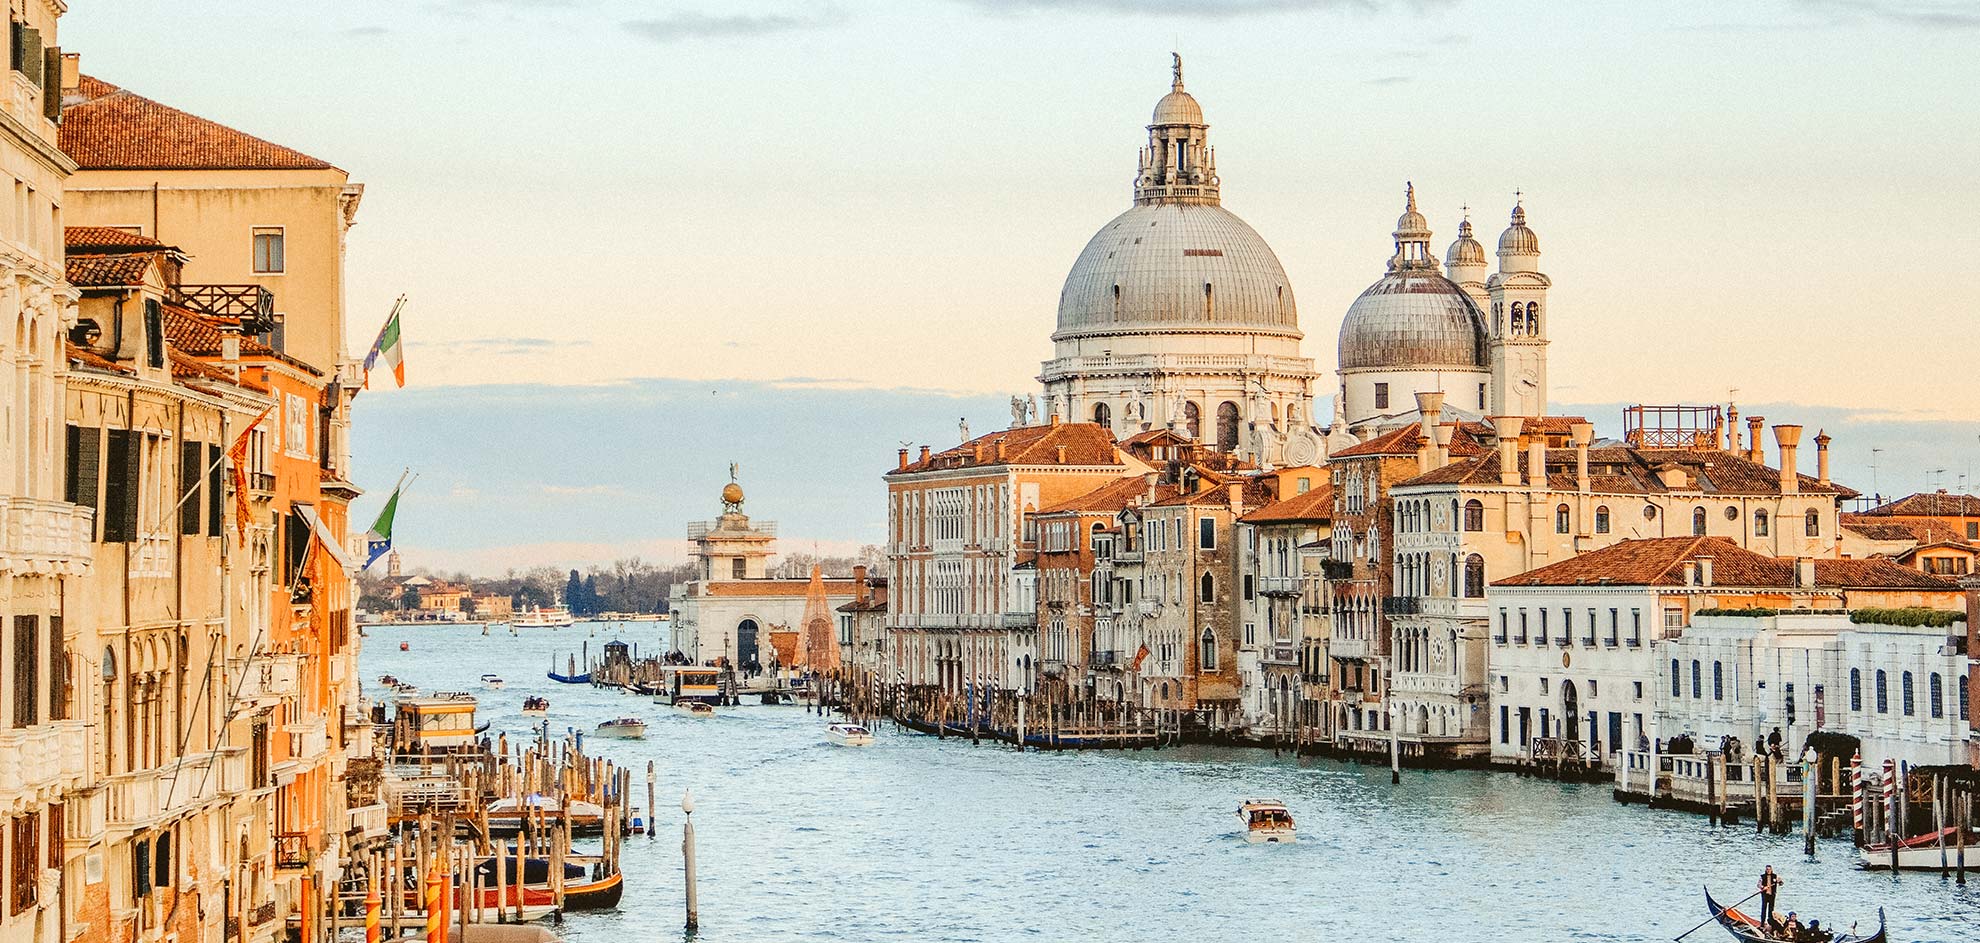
(368, 821)
(267, 676)
(138, 800)
(1279, 585)
(43, 760)
(292, 851)
(52, 537)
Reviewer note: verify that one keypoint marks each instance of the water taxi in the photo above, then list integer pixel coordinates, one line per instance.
(536, 706)
(1917, 853)
(697, 708)
(491, 680)
(1266, 821)
(849, 735)
(623, 728)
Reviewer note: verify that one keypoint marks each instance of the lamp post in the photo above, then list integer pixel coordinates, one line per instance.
(687, 855)
(1809, 774)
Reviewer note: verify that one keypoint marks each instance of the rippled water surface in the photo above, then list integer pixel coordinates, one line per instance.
(919, 839)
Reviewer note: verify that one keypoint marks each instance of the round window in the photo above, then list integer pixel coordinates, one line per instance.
(1649, 512)
(1732, 513)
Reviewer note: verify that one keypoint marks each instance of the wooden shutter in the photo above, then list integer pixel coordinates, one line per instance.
(154, 333)
(27, 670)
(188, 496)
(85, 464)
(30, 54)
(51, 92)
(215, 517)
(57, 833)
(120, 488)
(58, 671)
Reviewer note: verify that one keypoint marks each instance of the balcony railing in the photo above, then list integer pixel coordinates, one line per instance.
(1105, 659)
(252, 305)
(135, 800)
(267, 676)
(265, 912)
(36, 534)
(292, 850)
(1401, 605)
(43, 757)
(369, 821)
(1279, 585)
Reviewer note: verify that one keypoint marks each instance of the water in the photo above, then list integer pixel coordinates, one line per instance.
(926, 840)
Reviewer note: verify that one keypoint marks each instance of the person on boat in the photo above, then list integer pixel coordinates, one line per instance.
(1774, 743)
(1815, 933)
(1770, 884)
(1792, 929)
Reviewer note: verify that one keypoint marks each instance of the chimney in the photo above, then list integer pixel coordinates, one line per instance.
(1055, 417)
(1705, 570)
(1506, 430)
(1059, 454)
(1431, 406)
(903, 465)
(997, 449)
(859, 583)
(71, 75)
(1583, 434)
(1444, 433)
(1789, 437)
(230, 349)
(1151, 478)
(1691, 573)
(1804, 572)
(1822, 457)
(1536, 462)
(1755, 452)
(1732, 428)
(924, 455)
(1235, 493)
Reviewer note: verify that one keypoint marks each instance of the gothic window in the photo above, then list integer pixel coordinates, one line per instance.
(1474, 515)
(1102, 416)
(1206, 656)
(1601, 518)
(1811, 523)
(1209, 590)
(1760, 523)
(1227, 427)
(1698, 521)
(1561, 519)
(1474, 577)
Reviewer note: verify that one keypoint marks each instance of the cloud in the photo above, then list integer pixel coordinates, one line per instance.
(506, 345)
(1923, 14)
(1389, 80)
(1208, 9)
(689, 24)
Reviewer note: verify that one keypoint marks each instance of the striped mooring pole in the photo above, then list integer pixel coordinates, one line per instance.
(1856, 795)
(1891, 826)
(372, 904)
(436, 913)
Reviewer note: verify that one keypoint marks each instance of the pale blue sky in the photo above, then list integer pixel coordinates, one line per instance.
(1770, 196)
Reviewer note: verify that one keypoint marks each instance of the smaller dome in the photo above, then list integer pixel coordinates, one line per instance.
(1178, 107)
(1466, 250)
(732, 493)
(1517, 239)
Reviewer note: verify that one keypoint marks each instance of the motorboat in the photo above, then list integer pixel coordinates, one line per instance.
(1747, 929)
(622, 728)
(505, 816)
(1917, 853)
(849, 735)
(556, 617)
(697, 708)
(536, 706)
(588, 885)
(491, 680)
(1266, 821)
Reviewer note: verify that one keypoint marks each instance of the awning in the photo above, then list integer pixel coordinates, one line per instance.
(327, 539)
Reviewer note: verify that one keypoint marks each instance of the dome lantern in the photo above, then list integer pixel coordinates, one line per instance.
(1178, 165)
(1412, 237)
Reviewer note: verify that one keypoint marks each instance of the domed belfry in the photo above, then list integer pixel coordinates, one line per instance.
(1178, 316)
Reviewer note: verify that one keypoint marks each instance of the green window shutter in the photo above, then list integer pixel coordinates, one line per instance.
(86, 452)
(51, 92)
(215, 517)
(188, 497)
(120, 488)
(30, 53)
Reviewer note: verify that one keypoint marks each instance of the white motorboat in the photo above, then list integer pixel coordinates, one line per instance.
(623, 728)
(849, 735)
(491, 680)
(697, 708)
(536, 706)
(1917, 853)
(1266, 821)
(552, 618)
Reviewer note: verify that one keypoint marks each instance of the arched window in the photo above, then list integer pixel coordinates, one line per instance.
(1518, 318)
(1718, 681)
(1937, 690)
(1601, 518)
(1474, 577)
(1102, 416)
(1760, 523)
(1910, 708)
(1209, 591)
(1227, 427)
(1561, 519)
(1474, 515)
(1193, 420)
(1698, 521)
(1206, 655)
(1454, 514)
(1883, 694)
(1856, 689)
(1697, 681)
(1533, 318)
(1965, 693)
(1811, 523)
(1677, 680)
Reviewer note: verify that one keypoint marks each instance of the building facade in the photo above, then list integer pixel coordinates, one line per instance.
(727, 615)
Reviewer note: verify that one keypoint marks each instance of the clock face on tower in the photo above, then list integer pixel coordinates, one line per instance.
(1527, 383)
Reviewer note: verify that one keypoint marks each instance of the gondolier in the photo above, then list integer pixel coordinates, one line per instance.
(1770, 884)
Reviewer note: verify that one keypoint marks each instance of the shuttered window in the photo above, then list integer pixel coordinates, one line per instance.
(58, 671)
(51, 95)
(23, 862)
(298, 547)
(120, 487)
(27, 673)
(188, 496)
(214, 493)
(140, 870)
(84, 466)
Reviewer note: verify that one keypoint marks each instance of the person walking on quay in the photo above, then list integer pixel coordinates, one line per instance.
(1770, 884)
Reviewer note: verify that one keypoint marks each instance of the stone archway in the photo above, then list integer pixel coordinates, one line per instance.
(746, 642)
(1570, 711)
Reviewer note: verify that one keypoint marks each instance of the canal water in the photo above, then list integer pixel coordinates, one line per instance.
(921, 839)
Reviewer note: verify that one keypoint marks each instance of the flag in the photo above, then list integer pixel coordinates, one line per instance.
(1138, 656)
(238, 455)
(378, 540)
(388, 346)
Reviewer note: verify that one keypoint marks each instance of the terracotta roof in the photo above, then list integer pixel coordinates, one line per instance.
(1315, 506)
(1467, 440)
(195, 334)
(1105, 499)
(89, 240)
(83, 356)
(190, 368)
(115, 129)
(1626, 470)
(106, 271)
(1658, 561)
(1257, 491)
(1931, 504)
(1907, 531)
(1549, 425)
(837, 587)
(1085, 444)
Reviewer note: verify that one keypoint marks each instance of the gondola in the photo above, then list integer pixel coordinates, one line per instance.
(1746, 929)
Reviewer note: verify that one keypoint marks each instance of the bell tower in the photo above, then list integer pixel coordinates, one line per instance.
(1518, 336)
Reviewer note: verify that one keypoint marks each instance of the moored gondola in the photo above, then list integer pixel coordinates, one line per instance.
(1747, 929)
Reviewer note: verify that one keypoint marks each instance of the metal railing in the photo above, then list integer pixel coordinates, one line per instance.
(292, 850)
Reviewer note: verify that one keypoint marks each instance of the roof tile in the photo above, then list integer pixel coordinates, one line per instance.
(115, 129)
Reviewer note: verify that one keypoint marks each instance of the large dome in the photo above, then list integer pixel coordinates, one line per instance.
(1413, 320)
(1168, 267)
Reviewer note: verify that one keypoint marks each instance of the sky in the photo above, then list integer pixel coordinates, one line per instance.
(846, 223)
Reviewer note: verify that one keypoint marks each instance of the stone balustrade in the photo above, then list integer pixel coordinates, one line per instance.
(139, 799)
(52, 537)
(39, 762)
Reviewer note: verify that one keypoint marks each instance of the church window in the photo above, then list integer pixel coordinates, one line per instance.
(1474, 580)
(1209, 307)
(1518, 318)
(1561, 519)
(1481, 396)
(1760, 523)
(1811, 524)
(1102, 416)
(1227, 427)
(1193, 420)
(1381, 396)
(1601, 518)
(1533, 318)
(1649, 512)
(1732, 512)
(1474, 515)
(1698, 521)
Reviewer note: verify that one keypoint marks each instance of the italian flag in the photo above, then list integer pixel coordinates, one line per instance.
(389, 347)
